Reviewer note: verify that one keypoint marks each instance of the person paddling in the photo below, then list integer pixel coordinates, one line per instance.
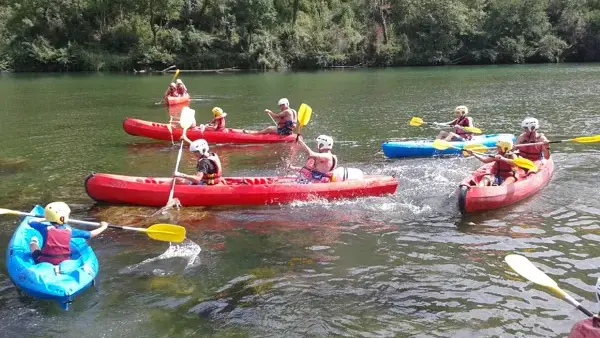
(172, 90)
(461, 120)
(288, 120)
(181, 88)
(56, 235)
(320, 164)
(504, 171)
(218, 122)
(208, 168)
(530, 134)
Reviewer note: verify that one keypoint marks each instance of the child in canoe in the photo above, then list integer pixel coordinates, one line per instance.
(208, 168)
(218, 122)
(461, 120)
(288, 120)
(319, 165)
(504, 171)
(180, 87)
(56, 235)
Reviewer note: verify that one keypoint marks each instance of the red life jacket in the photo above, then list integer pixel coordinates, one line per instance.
(219, 123)
(464, 122)
(587, 328)
(172, 92)
(310, 173)
(533, 153)
(57, 247)
(181, 90)
(216, 178)
(283, 123)
(503, 169)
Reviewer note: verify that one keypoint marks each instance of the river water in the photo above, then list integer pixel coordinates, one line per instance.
(406, 265)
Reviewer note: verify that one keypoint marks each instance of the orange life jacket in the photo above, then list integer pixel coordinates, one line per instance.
(216, 178)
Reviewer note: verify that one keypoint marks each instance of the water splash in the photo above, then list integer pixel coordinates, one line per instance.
(187, 250)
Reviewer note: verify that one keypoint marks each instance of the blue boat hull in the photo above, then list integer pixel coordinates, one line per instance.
(398, 149)
(40, 280)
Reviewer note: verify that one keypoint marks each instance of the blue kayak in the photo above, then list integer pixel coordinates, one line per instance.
(396, 149)
(40, 280)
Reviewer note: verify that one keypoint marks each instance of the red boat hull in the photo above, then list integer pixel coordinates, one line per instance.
(147, 191)
(175, 100)
(472, 198)
(160, 131)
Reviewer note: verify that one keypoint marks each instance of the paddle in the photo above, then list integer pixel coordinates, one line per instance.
(166, 91)
(186, 120)
(160, 232)
(417, 122)
(581, 139)
(519, 161)
(304, 115)
(525, 268)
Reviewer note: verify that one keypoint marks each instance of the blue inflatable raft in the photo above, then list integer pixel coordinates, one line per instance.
(397, 149)
(40, 280)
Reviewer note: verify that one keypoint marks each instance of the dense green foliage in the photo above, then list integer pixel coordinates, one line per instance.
(62, 35)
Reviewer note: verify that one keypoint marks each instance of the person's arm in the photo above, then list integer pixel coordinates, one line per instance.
(37, 225)
(545, 147)
(77, 233)
(306, 148)
(482, 158)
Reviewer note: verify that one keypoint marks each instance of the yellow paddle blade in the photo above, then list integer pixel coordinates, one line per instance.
(166, 232)
(187, 117)
(176, 73)
(473, 130)
(441, 144)
(416, 121)
(525, 268)
(476, 147)
(525, 164)
(586, 139)
(304, 114)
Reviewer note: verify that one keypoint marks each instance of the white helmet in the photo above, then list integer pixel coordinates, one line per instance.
(530, 123)
(463, 109)
(199, 146)
(324, 142)
(284, 101)
(57, 212)
(179, 81)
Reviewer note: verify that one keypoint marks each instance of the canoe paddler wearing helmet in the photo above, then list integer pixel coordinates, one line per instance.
(180, 87)
(503, 172)
(218, 122)
(530, 134)
(287, 120)
(208, 167)
(320, 164)
(461, 120)
(56, 234)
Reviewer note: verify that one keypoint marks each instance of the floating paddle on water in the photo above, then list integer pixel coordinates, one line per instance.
(160, 232)
(166, 91)
(417, 122)
(519, 161)
(525, 268)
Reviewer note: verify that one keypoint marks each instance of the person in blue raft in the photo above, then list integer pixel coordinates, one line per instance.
(56, 235)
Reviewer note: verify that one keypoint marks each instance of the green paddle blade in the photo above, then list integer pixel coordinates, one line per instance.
(304, 114)
(166, 232)
(416, 121)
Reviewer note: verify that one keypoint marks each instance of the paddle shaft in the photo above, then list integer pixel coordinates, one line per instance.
(85, 223)
(166, 91)
(176, 169)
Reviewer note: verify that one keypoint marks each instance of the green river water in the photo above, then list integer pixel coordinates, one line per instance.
(407, 265)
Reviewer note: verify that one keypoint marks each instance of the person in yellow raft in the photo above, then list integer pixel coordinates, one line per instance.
(288, 120)
(461, 120)
(504, 171)
(320, 164)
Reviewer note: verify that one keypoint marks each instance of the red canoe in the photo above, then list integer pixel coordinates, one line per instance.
(148, 191)
(472, 198)
(174, 100)
(160, 131)
(587, 328)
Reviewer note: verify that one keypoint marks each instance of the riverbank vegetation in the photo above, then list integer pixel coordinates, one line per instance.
(90, 35)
